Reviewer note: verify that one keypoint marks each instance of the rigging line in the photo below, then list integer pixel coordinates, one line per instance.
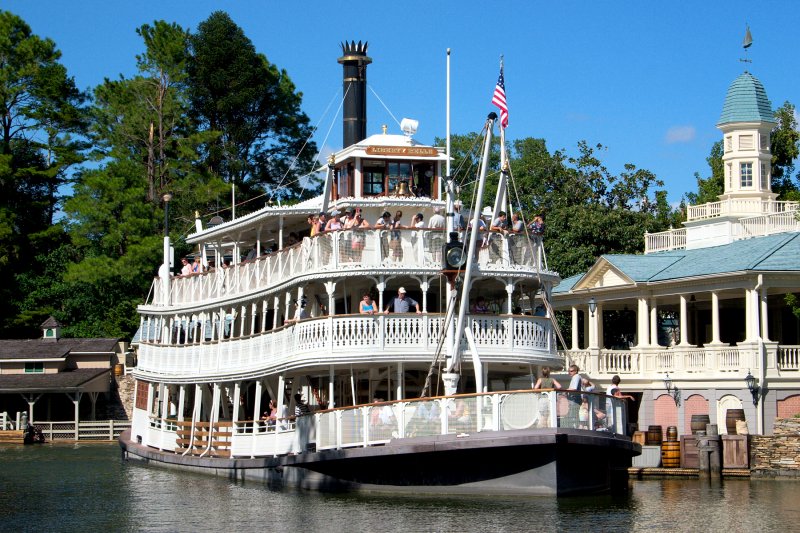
(310, 136)
(470, 153)
(525, 225)
(384, 105)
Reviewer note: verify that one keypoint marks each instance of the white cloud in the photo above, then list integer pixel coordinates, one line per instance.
(680, 134)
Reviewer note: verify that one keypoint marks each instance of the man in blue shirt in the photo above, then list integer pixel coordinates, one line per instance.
(402, 303)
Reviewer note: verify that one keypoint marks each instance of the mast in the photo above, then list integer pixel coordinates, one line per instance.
(453, 364)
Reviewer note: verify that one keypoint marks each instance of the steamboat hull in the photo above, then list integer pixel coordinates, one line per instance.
(560, 462)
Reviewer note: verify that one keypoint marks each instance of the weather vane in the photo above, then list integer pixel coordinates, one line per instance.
(746, 43)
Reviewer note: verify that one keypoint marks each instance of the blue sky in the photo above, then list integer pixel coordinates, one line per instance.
(645, 79)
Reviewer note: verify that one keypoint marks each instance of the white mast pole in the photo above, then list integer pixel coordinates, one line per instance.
(448, 186)
(451, 378)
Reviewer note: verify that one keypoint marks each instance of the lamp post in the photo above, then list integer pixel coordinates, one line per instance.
(672, 390)
(164, 270)
(592, 306)
(755, 390)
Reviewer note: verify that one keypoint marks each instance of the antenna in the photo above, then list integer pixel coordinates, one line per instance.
(747, 43)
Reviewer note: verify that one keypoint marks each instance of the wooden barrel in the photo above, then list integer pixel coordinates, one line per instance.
(672, 433)
(699, 423)
(654, 436)
(671, 454)
(730, 419)
(119, 369)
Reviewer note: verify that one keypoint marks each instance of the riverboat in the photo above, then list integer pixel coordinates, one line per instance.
(436, 399)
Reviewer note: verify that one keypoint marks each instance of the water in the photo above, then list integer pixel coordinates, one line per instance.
(87, 487)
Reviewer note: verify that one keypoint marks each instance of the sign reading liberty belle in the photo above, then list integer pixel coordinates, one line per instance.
(419, 151)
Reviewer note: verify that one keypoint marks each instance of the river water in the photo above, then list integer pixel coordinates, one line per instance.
(87, 487)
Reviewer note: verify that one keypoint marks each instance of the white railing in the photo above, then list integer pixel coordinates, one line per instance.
(362, 248)
(349, 338)
(674, 239)
(789, 357)
(89, 430)
(763, 225)
(653, 362)
(379, 423)
(738, 207)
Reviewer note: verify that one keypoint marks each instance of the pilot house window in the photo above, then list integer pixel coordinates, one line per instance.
(373, 180)
(34, 368)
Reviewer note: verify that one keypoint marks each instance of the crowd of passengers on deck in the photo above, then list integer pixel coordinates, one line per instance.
(391, 243)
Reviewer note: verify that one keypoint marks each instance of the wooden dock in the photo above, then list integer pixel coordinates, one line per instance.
(11, 437)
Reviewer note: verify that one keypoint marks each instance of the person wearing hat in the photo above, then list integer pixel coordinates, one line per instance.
(402, 303)
(459, 224)
(334, 224)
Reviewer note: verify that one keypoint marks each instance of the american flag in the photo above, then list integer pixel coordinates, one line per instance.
(499, 99)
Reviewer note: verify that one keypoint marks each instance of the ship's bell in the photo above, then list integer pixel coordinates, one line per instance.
(402, 189)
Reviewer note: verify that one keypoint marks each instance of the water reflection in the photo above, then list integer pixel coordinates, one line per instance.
(89, 488)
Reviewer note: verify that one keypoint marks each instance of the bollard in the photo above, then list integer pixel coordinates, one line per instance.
(709, 456)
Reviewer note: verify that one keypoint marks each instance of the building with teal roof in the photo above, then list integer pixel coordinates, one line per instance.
(705, 306)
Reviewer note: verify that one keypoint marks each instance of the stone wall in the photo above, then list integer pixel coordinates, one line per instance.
(777, 455)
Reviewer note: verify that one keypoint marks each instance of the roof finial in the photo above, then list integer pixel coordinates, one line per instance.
(746, 43)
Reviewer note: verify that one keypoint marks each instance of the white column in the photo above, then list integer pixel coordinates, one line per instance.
(592, 338)
(653, 322)
(643, 331)
(331, 380)
(762, 296)
(400, 393)
(575, 336)
(599, 317)
(257, 400)
(330, 288)
(715, 318)
(509, 292)
(424, 286)
(684, 322)
(181, 401)
(752, 319)
(276, 303)
(237, 400)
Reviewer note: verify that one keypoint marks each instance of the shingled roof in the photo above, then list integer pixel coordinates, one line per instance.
(71, 380)
(53, 349)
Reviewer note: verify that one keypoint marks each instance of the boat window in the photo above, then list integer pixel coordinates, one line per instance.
(373, 179)
(343, 182)
(399, 173)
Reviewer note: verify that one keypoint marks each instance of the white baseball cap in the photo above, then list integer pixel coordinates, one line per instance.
(401, 290)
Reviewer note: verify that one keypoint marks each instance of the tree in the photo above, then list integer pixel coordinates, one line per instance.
(709, 189)
(785, 147)
(253, 107)
(42, 123)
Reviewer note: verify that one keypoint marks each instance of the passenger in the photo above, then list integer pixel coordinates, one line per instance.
(359, 240)
(616, 392)
(301, 313)
(402, 304)
(575, 399)
(186, 269)
(537, 226)
(367, 305)
(499, 223)
(384, 223)
(458, 219)
(197, 266)
(322, 220)
(334, 224)
(436, 238)
(313, 222)
(301, 408)
(480, 307)
(395, 243)
(546, 382)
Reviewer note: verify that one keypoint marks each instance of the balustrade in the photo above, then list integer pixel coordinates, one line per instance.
(789, 357)
(359, 248)
(348, 337)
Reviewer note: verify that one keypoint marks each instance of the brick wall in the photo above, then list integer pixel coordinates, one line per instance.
(777, 455)
(789, 407)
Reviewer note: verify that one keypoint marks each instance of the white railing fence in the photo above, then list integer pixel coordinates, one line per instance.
(360, 248)
(89, 430)
(379, 423)
(789, 357)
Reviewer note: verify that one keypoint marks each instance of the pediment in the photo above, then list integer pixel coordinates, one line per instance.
(603, 274)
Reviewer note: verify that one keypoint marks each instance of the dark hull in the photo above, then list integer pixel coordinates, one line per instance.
(541, 461)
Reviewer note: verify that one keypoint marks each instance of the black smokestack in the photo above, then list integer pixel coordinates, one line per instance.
(354, 59)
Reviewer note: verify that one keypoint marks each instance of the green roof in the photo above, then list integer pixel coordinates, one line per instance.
(774, 253)
(746, 101)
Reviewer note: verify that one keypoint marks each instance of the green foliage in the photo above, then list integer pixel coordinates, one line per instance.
(785, 147)
(253, 107)
(793, 303)
(709, 189)
(588, 210)
(42, 120)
